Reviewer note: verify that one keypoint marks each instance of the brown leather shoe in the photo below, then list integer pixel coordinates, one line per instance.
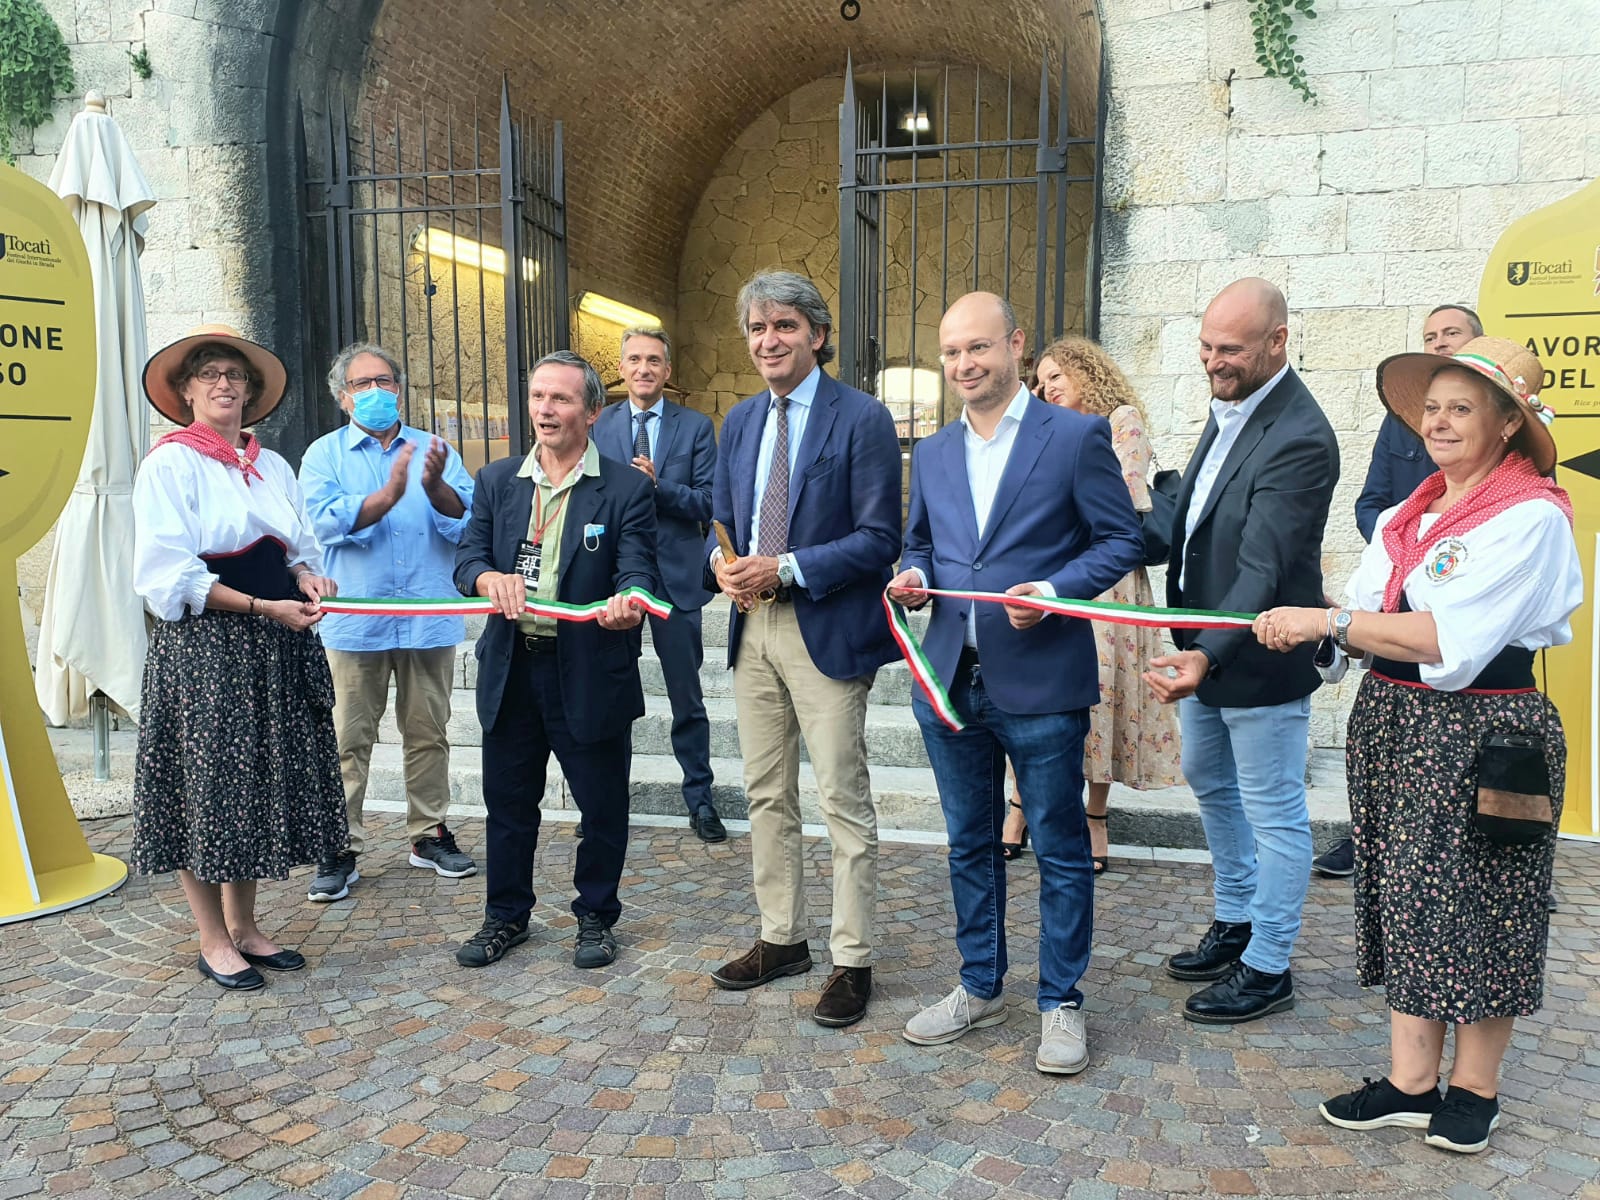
(763, 963)
(844, 996)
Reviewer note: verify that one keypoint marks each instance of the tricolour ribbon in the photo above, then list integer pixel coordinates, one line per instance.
(461, 606)
(1098, 610)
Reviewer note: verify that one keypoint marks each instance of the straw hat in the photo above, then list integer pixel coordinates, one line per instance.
(1509, 366)
(164, 398)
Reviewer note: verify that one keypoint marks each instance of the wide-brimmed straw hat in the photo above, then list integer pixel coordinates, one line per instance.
(1509, 366)
(164, 398)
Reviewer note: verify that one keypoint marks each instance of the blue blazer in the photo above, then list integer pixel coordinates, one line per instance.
(686, 461)
(1061, 514)
(599, 668)
(844, 521)
(1399, 465)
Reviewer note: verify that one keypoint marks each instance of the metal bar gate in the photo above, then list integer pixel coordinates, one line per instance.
(942, 191)
(448, 252)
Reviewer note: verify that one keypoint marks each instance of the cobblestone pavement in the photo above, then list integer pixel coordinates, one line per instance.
(385, 1071)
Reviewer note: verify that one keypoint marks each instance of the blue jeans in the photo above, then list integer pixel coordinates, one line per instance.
(1047, 752)
(1247, 767)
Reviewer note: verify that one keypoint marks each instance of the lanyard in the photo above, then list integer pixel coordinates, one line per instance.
(538, 506)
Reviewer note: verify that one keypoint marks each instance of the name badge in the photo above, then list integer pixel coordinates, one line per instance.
(529, 557)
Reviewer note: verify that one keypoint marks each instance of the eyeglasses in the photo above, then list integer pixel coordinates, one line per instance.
(949, 355)
(212, 374)
(387, 382)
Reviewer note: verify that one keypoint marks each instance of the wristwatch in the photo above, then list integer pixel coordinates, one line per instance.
(1341, 629)
(785, 570)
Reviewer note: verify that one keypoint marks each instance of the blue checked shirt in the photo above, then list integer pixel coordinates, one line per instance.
(409, 554)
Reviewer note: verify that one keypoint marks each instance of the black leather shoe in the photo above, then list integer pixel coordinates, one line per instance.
(844, 997)
(708, 826)
(1242, 996)
(762, 963)
(1216, 954)
(283, 960)
(247, 980)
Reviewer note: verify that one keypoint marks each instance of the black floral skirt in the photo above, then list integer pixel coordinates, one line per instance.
(238, 770)
(1453, 925)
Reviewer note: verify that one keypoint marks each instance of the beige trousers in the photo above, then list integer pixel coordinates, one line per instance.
(422, 682)
(781, 696)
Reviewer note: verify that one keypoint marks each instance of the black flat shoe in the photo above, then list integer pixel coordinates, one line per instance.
(247, 980)
(283, 960)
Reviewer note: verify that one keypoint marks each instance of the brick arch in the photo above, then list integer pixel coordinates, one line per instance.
(653, 96)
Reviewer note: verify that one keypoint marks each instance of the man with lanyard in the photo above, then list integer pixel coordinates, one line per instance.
(389, 520)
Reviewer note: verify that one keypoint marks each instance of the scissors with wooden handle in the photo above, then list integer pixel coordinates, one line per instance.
(725, 542)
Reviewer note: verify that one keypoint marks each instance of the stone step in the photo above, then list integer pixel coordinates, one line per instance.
(893, 736)
(907, 797)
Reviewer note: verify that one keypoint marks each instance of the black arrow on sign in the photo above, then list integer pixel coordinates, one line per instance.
(1585, 464)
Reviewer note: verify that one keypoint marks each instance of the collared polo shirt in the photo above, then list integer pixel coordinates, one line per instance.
(547, 496)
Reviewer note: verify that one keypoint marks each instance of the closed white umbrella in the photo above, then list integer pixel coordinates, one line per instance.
(92, 630)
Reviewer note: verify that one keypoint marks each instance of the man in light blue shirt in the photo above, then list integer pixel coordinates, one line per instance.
(389, 519)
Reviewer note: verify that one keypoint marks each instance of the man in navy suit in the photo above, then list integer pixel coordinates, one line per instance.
(808, 486)
(1024, 498)
(565, 525)
(677, 451)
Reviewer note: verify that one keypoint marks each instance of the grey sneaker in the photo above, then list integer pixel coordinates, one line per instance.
(440, 853)
(952, 1017)
(333, 878)
(596, 945)
(1063, 1047)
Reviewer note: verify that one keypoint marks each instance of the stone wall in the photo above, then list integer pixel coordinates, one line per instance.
(1438, 122)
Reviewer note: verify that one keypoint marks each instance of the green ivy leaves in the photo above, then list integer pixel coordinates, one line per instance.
(1271, 22)
(35, 68)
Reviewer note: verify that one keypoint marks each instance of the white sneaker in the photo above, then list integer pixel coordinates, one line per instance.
(953, 1016)
(1063, 1047)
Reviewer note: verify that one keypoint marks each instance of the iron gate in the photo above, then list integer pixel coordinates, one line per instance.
(935, 201)
(449, 254)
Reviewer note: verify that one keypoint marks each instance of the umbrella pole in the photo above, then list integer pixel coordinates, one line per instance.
(101, 719)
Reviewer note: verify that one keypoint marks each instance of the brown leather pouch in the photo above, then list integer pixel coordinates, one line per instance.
(1512, 806)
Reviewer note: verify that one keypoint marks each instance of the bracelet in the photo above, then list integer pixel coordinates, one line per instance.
(252, 606)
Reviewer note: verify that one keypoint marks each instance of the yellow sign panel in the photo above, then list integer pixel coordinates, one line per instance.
(1542, 288)
(47, 382)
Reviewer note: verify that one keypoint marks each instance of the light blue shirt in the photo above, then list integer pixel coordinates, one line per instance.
(652, 429)
(799, 413)
(1230, 417)
(409, 553)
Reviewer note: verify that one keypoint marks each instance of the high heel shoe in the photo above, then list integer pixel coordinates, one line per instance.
(1100, 861)
(1013, 850)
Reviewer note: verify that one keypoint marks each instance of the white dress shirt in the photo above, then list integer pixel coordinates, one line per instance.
(1230, 417)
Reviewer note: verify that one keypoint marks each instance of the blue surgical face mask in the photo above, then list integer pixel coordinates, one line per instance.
(375, 409)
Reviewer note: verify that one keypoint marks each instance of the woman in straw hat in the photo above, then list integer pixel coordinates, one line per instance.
(238, 771)
(1456, 761)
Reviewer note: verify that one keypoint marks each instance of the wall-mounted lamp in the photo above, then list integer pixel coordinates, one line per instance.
(604, 308)
(917, 122)
(441, 243)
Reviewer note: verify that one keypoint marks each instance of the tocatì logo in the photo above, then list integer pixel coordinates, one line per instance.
(1517, 273)
(3, 240)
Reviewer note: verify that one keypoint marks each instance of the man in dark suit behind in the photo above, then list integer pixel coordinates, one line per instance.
(561, 524)
(1022, 497)
(1247, 536)
(676, 449)
(808, 486)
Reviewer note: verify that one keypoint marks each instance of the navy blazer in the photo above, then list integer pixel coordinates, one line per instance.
(600, 688)
(685, 462)
(1061, 514)
(844, 521)
(1400, 463)
(1257, 544)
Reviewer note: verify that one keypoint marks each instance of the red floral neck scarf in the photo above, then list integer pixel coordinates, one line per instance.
(205, 440)
(1516, 479)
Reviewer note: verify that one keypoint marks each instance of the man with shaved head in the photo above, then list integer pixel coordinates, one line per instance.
(1021, 497)
(1247, 536)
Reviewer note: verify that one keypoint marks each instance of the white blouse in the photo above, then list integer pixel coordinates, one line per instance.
(1512, 581)
(186, 505)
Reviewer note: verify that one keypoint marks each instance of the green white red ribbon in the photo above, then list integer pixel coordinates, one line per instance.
(1097, 610)
(462, 606)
